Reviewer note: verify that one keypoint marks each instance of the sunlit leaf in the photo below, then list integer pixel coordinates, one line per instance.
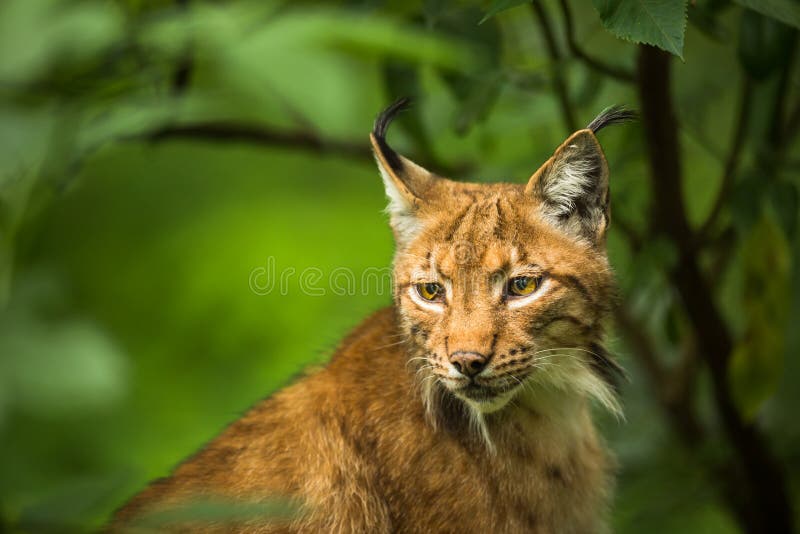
(656, 22)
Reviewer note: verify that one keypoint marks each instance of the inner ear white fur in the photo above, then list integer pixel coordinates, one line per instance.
(404, 182)
(401, 209)
(572, 187)
(569, 178)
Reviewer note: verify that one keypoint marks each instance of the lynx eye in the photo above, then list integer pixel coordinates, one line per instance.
(522, 286)
(430, 291)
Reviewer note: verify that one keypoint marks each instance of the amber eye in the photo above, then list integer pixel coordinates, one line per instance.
(522, 286)
(430, 291)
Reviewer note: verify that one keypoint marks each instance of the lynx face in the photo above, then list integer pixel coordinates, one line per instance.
(503, 288)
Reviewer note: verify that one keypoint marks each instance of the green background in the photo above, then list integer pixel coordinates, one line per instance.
(129, 333)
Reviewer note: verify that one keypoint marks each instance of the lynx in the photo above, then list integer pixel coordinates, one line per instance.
(465, 406)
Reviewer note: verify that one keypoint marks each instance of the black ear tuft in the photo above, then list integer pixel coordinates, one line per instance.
(386, 116)
(612, 115)
(382, 122)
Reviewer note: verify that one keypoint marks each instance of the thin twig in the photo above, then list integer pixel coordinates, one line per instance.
(618, 73)
(733, 159)
(260, 134)
(559, 84)
(241, 132)
(671, 387)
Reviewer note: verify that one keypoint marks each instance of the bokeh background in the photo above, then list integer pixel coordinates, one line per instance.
(158, 156)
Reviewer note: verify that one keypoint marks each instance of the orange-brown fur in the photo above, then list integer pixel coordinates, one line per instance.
(383, 440)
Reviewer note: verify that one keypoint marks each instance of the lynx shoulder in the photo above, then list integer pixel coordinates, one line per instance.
(464, 407)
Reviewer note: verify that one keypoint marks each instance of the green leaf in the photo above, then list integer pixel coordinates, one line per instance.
(63, 367)
(660, 23)
(704, 16)
(747, 201)
(763, 43)
(498, 6)
(756, 366)
(67, 505)
(785, 201)
(785, 11)
(478, 103)
(66, 32)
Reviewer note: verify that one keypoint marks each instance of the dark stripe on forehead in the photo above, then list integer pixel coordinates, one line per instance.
(499, 226)
(459, 221)
(482, 221)
(456, 224)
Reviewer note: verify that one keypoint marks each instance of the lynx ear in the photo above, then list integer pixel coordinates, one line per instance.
(406, 182)
(571, 188)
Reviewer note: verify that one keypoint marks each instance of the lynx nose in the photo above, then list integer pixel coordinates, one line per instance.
(468, 363)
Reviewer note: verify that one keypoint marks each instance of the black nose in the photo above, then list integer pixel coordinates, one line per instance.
(468, 363)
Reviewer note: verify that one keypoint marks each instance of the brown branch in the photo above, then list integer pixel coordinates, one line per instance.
(672, 386)
(763, 503)
(559, 84)
(260, 134)
(733, 159)
(240, 132)
(618, 73)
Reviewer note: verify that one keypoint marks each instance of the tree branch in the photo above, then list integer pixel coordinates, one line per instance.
(670, 386)
(764, 503)
(733, 159)
(240, 132)
(263, 135)
(556, 72)
(618, 73)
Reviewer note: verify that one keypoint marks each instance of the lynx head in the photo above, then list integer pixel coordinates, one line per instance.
(503, 288)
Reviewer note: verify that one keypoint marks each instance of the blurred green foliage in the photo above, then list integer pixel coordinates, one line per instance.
(130, 228)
